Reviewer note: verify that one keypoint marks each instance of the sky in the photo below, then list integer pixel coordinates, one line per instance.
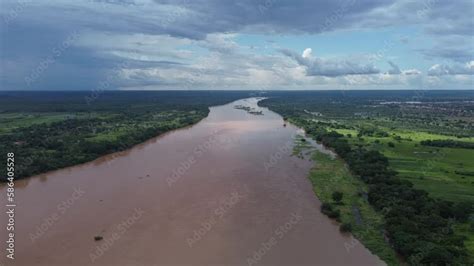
(235, 45)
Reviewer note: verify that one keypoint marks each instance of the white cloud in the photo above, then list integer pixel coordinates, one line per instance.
(455, 69)
(307, 53)
(177, 43)
(329, 67)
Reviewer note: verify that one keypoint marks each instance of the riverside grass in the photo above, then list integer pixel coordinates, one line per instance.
(330, 175)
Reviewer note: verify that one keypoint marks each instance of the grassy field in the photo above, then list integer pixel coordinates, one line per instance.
(330, 175)
(439, 171)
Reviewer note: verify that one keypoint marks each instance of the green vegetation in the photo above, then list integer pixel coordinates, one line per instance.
(51, 130)
(404, 178)
(345, 227)
(424, 193)
(337, 196)
(448, 143)
(344, 198)
(442, 172)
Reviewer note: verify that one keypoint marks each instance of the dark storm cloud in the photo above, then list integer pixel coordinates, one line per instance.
(33, 31)
(277, 16)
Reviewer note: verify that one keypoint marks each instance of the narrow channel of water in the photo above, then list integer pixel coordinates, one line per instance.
(225, 191)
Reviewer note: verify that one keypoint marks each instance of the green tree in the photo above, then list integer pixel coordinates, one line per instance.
(337, 196)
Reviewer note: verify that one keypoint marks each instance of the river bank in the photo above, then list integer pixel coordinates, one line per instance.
(330, 175)
(224, 191)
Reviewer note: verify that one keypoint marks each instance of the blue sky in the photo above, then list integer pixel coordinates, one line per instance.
(242, 44)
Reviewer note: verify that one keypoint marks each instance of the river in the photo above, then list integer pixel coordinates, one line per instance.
(226, 191)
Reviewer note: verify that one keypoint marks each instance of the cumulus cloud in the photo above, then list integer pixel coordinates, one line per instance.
(328, 67)
(307, 53)
(178, 42)
(456, 69)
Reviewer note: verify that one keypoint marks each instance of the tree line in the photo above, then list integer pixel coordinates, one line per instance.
(448, 143)
(419, 227)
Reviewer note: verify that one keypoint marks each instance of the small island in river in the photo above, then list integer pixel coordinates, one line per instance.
(249, 110)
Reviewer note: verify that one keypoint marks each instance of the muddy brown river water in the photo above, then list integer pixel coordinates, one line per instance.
(225, 191)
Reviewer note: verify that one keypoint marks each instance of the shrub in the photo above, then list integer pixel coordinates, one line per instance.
(337, 196)
(345, 227)
(335, 214)
(461, 211)
(328, 210)
(326, 207)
